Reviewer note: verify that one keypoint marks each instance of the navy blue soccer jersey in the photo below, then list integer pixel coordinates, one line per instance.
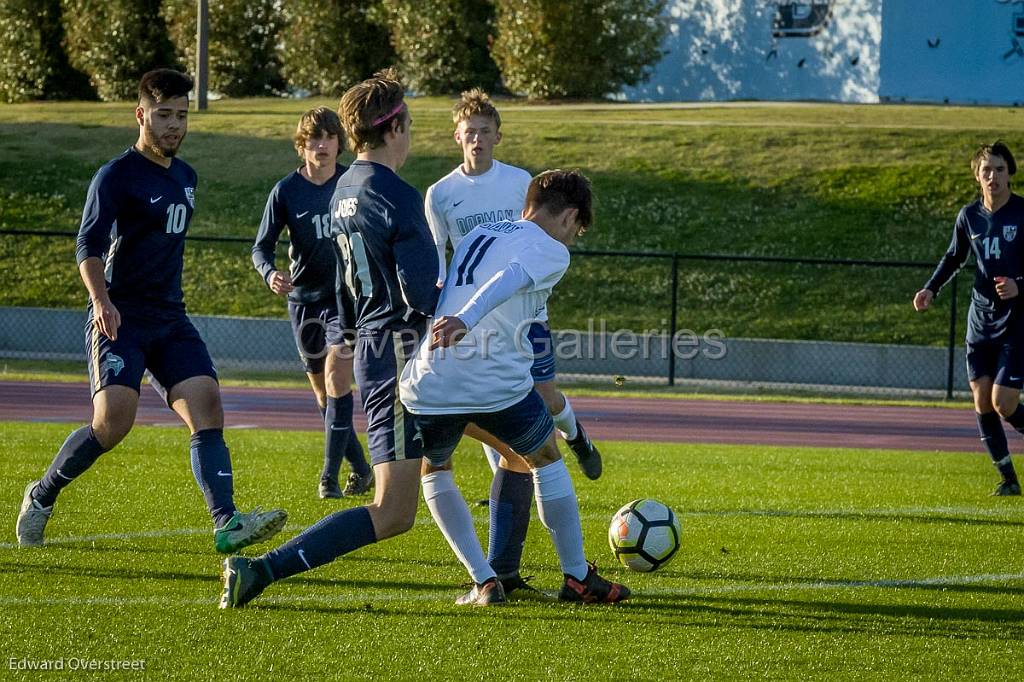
(304, 208)
(136, 216)
(388, 258)
(997, 242)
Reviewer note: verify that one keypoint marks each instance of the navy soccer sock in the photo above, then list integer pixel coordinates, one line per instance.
(511, 499)
(79, 451)
(323, 542)
(211, 464)
(994, 439)
(338, 437)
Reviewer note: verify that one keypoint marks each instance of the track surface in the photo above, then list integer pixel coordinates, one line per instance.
(653, 419)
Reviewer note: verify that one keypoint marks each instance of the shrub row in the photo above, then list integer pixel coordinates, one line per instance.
(539, 48)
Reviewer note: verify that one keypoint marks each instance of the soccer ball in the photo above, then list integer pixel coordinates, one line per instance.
(644, 535)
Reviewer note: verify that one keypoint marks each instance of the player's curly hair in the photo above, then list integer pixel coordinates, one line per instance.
(367, 109)
(475, 102)
(557, 190)
(159, 85)
(997, 148)
(316, 123)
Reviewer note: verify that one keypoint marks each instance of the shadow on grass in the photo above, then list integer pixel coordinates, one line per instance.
(78, 571)
(866, 516)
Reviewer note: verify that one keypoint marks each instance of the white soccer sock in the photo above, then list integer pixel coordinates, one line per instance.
(565, 420)
(559, 512)
(456, 523)
(493, 457)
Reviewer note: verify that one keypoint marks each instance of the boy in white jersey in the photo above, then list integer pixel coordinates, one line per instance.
(475, 368)
(485, 190)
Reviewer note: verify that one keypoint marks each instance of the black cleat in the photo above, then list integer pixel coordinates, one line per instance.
(1007, 489)
(487, 593)
(358, 484)
(593, 589)
(586, 454)
(330, 489)
(517, 588)
(244, 580)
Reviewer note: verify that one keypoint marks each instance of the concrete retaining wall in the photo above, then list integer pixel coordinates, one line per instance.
(266, 345)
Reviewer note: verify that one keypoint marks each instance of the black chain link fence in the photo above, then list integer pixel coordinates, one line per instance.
(647, 318)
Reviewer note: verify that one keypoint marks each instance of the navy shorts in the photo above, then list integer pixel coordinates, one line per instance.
(315, 326)
(170, 348)
(543, 369)
(1002, 361)
(378, 359)
(524, 427)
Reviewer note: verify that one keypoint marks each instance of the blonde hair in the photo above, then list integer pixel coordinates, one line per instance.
(475, 102)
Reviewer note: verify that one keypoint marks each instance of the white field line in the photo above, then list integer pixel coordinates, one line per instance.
(340, 596)
(481, 519)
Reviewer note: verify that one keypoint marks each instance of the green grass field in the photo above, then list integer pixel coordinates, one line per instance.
(796, 564)
(817, 181)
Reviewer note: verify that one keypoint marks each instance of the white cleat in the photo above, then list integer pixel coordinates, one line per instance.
(32, 519)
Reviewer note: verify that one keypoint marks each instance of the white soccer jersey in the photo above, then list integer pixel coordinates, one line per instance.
(457, 203)
(489, 369)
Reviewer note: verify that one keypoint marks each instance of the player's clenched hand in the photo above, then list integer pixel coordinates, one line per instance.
(280, 283)
(107, 318)
(923, 299)
(1006, 287)
(446, 331)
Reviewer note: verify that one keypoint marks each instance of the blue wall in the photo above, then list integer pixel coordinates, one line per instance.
(958, 51)
(963, 51)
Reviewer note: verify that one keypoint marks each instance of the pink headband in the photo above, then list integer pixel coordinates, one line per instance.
(380, 119)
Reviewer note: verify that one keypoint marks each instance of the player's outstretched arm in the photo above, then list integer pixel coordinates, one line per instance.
(105, 314)
(495, 291)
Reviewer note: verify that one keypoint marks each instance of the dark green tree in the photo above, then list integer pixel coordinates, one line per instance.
(443, 46)
(329, 45)
(32, 60)
(550, 49)
(243, 43)
(114, 42)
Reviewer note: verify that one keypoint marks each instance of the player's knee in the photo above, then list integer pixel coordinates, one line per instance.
(111, 429)
(547, 454)
(1006, 405)
(392, 522)
(982, 398)
(552, 397)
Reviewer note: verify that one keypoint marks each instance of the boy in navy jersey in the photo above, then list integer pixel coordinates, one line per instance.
(301, 202)
(992, 228)
(130, 249)
(389, 267)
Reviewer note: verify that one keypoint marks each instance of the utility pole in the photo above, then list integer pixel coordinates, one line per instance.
(202, 53)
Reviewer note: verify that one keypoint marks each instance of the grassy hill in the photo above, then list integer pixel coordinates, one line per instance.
(801, 180)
